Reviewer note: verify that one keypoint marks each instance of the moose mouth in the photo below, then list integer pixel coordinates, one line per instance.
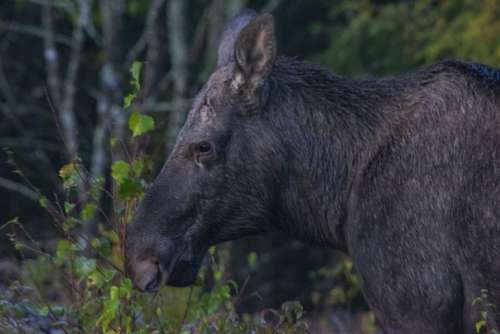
(149, 275)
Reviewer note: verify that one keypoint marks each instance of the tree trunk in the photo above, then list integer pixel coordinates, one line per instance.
(176, 31)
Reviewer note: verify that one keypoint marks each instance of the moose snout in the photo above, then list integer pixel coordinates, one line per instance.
(147, 258)
(147, 275)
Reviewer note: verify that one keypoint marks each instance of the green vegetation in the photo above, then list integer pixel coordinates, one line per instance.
(390, 37)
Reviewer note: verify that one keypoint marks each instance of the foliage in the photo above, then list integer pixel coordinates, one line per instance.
(347, 284)
(486, 310)
(82, 287)
(394, 36)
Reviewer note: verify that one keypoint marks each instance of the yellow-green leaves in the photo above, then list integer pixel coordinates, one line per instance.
(129, 185)
(112, 305)
(43, 201)
(88, 211)
(135, 72)
(138, 166)
(140, 124)
(479, 325)
(252, 260)
(120, 171)
(63, 251)
(70, 175)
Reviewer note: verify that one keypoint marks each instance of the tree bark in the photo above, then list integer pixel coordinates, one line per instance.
(63, 95)
(176, 31)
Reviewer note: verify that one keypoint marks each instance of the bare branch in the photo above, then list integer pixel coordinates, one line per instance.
(216, 19)
(176, 25)
(99, 156)
(6, 91)
(67, 113)
(33, 31)
(145, 37)
(153, 51)
(68, 6)
(19, 188)
(111, 92)
(199, 36)
(51, 55)
(110, 117)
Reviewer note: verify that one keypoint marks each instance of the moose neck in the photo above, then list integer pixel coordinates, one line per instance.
(330, 127)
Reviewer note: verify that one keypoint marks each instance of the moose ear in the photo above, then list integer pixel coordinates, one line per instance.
(254, 52)
(225, 54)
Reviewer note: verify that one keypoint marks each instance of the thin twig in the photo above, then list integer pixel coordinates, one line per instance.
(19, 188)
(141, 43)
(32, 31)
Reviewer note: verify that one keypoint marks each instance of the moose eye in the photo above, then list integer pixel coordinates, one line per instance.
(203, 148)
(203, 151)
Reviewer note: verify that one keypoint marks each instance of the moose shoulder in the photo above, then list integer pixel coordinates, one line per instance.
(403, 173)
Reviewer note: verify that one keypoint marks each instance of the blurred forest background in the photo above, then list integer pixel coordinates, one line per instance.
(64, 73)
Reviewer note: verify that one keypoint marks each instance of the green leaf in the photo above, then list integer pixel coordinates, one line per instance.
(84, 266)
(212, 250)
(68, 207)
(69, 223)
(109, 275)
(88, 211)
(63, 250)
(44, 311)
(135, 71)
(127, 285)
(252, 259)
(127, 102)
(43, 201)
(126, 288)
(136, 8)
(70, 176)
(58, 310)
(111, 235)
(111, 307)
(114, 293)
(97, 185)
(140, 124)
(292, 310)
(113, 141)
(480, 324)
(138, 167)
(120, 171)
(130, 189)
(477, 300)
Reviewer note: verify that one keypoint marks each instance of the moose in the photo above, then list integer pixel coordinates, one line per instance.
(402, 173)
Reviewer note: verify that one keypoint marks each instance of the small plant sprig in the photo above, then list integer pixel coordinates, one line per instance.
(486, 309)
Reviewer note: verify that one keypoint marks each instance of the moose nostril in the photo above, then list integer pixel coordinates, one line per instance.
(146, 274)
(154, 284)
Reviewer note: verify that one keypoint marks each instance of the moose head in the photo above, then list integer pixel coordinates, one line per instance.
(219, 182)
